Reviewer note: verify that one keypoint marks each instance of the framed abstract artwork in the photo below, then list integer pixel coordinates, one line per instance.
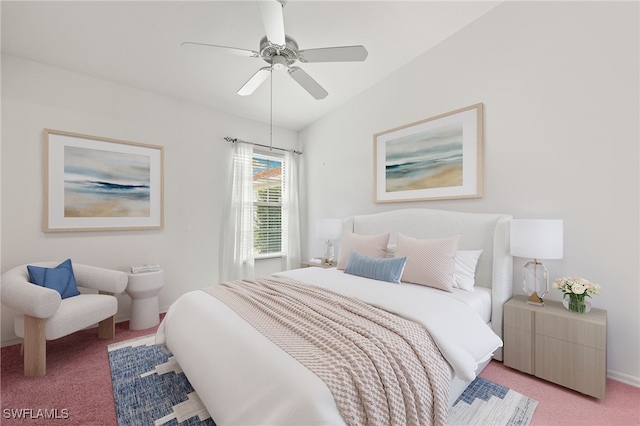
(98, 184)
(432, 159)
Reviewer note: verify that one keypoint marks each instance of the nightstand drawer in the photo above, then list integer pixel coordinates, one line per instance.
(574, 366)
(589, 331)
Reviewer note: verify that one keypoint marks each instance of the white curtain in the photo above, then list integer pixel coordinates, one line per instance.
(236, 243)
(291, 219)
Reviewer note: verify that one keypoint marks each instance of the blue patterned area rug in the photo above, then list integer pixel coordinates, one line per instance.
(150, 389)
(487, 403)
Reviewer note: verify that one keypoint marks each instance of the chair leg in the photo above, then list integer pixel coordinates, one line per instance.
(35, 346)
(107, 327)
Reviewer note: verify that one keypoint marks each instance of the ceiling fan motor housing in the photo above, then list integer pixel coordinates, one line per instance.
(279, 56)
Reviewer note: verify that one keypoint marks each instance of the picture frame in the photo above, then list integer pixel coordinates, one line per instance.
(93, 183)
(433, 159)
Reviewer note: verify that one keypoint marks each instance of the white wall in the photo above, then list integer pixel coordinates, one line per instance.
(559, 84)
(35, 97)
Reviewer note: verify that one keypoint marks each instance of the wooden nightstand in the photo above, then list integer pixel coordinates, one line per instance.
(554, 344)
(317, 265)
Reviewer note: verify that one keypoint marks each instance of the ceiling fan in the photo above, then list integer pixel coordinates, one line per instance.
(281, 51)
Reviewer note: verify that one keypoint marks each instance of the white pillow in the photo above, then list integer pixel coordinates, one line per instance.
(464, 271)
(369, 245)
(429, 262)
(391, 250)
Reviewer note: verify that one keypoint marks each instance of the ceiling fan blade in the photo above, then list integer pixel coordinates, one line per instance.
(273, 20)
(308, 83)
(256, 80)
(334, 54)
(222, 49)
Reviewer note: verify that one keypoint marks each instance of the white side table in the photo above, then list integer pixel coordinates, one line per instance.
(318, 265)
(144, 289)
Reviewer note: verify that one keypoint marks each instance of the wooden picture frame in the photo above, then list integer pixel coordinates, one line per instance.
(432, 159)
(98, 184)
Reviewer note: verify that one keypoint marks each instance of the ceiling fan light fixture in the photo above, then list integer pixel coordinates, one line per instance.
(279, 62)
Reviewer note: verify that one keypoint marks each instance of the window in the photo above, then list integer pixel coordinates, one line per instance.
(267, 205)
(260, 218)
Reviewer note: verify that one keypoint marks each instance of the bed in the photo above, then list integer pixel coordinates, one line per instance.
(242, 377)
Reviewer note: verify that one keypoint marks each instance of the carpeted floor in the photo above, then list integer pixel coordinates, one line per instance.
(79, 380)
(563, 407)
(150, 388)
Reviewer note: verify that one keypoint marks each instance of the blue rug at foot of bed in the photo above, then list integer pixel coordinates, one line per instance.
(150, 389)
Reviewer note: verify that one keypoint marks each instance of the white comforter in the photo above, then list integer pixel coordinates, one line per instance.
(243, 378)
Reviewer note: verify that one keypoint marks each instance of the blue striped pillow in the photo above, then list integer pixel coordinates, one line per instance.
(375, 268)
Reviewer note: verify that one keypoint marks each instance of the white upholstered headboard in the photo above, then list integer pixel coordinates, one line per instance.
(478, 231)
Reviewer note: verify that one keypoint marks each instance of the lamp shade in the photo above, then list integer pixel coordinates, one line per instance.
(537, 238)
(329, 229)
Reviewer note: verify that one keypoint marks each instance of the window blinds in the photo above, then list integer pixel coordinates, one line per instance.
(267, 201)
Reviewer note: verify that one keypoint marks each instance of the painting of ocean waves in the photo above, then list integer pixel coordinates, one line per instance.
(425, 160)
(136, 192)
(106, 184)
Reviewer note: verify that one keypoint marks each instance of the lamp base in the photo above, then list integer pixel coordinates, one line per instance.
(535, 278)
(534, 299)
(328, 255)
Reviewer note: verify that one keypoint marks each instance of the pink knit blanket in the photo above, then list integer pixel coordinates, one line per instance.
(380, 368)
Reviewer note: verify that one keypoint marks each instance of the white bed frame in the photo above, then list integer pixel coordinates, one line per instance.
(478, 231)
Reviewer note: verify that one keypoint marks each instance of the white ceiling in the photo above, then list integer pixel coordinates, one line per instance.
(138, 44)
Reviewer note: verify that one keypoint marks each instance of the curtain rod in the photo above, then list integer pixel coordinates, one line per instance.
(234, 140)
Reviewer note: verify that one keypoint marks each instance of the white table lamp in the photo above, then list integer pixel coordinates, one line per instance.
(329, 229)
(536, 239)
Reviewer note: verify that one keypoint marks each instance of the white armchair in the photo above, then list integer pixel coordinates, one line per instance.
(43, 315)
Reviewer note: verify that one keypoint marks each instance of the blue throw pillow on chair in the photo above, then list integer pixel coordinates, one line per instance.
(59, 278)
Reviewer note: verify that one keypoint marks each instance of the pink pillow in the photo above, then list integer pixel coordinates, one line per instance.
(369, 245)
(429, 262)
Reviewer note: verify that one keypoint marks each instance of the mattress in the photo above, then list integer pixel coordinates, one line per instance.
(479, 299)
